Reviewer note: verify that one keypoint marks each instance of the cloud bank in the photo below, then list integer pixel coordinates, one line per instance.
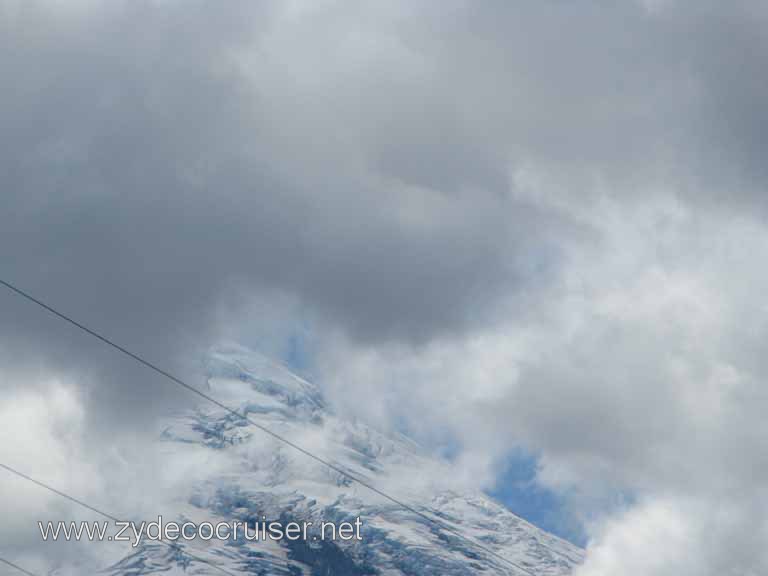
(505, 224)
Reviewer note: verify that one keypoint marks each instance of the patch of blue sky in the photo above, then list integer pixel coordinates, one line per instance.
(519, 491)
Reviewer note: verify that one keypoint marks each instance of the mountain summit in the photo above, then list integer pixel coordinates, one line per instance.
(256, 477)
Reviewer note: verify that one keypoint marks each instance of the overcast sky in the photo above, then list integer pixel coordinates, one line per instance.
(505, 225)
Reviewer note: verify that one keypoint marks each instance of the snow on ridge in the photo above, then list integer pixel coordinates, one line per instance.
(259, 475)
(236, 372)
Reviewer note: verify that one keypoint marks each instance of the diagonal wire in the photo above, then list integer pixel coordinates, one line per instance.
(200, 393)
(172, 545)
(16, 567)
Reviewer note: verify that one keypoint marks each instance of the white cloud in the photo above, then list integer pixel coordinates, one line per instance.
(43, 425)
(635, 375)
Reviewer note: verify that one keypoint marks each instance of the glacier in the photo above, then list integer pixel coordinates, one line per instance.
(260, 477)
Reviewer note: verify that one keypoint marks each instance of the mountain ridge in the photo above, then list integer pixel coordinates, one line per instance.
(260, 477)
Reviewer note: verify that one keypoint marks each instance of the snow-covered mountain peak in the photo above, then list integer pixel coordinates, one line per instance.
(239, 375)
(256, 475)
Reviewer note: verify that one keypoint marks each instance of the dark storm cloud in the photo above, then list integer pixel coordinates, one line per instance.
(143, 175)
(726, 45)
(156, 155)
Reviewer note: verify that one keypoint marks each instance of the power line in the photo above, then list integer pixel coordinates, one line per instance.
(58, 492)
(200, 393)
(173, 546)
(16, 567)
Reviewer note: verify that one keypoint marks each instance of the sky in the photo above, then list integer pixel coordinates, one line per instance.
(509, 227)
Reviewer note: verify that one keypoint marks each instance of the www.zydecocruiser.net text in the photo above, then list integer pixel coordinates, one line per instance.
(156, 530)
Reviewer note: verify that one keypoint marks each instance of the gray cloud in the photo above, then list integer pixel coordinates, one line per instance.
(139, 164)
(145, 172)
(428, 185)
